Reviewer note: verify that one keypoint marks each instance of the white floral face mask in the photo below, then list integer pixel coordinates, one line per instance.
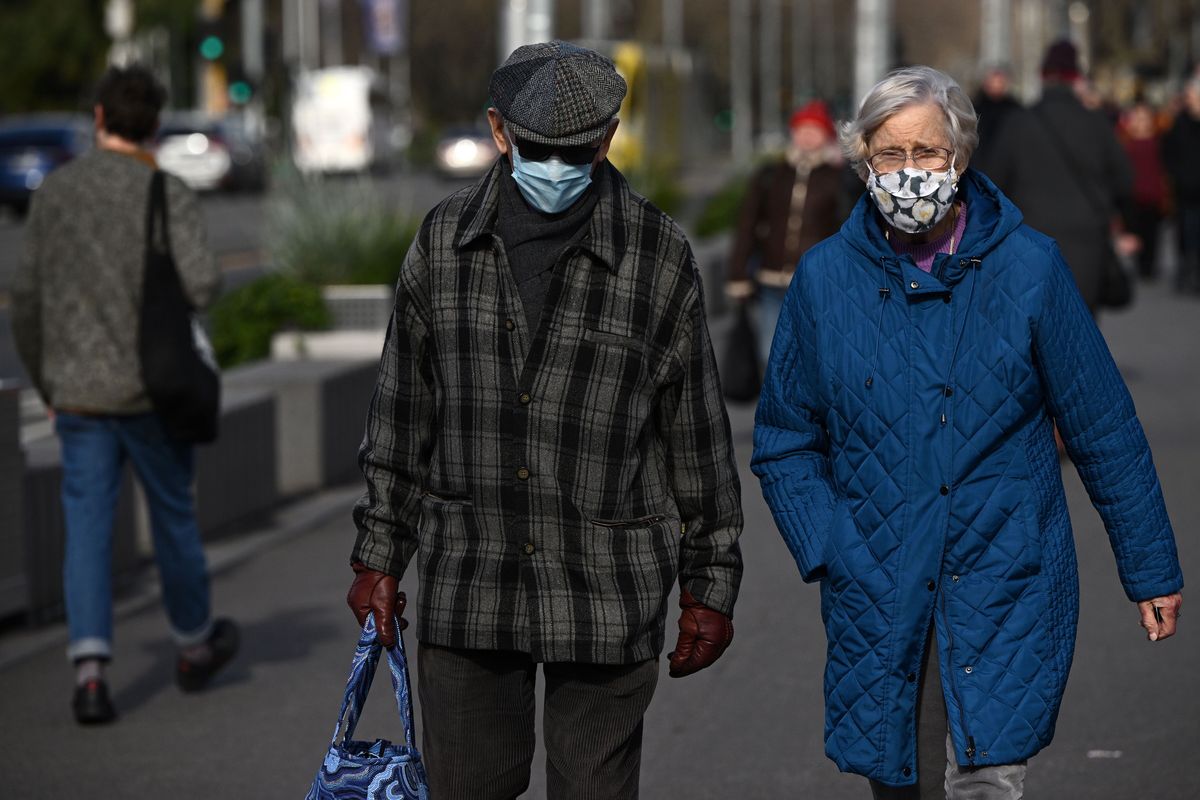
(913, 200)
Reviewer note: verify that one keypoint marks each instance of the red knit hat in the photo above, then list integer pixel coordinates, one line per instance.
(817, 113)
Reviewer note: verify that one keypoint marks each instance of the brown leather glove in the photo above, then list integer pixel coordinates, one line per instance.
(377, 593)
(703, 636)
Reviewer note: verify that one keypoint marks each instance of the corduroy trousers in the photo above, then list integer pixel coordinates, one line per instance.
(478, 725)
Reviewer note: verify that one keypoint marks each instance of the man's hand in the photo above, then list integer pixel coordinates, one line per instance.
(377, 593)
(703, 636)
(1160, 614)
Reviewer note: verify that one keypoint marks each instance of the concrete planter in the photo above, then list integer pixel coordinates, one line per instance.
(359, 308)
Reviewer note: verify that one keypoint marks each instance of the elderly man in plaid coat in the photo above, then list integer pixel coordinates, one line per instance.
(547, 441)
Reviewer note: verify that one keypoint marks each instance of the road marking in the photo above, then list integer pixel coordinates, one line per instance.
(1104, 754)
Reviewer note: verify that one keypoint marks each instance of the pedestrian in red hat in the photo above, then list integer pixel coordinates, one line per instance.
(791, 204)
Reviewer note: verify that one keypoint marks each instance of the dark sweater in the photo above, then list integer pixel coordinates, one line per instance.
(77, 292)
(534, 241)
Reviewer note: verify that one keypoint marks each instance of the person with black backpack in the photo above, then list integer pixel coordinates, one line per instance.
(76, 316)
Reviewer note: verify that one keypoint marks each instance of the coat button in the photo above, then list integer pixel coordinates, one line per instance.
(523, 473)
(907, 771)
(911, 677)
(914, 285)
(509, 324)
(949, 392)
(944, 489)
(946, 297)
(931, 585)
(968, 670)
(525, 398)
(954, 578)
(529, 548)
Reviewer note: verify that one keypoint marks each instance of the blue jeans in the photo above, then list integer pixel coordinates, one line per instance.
(94, 450)
(770, 306)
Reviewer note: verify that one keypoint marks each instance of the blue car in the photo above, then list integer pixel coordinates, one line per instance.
(31, 146)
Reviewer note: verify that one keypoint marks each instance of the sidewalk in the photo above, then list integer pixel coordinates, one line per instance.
(750, 727)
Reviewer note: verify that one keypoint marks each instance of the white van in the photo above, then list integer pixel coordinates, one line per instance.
(331, 120)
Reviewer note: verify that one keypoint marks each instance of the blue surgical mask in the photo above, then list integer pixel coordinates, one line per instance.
(552, 185)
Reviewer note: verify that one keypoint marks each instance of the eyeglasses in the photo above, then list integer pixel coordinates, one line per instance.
(930, 158)
(534, 151)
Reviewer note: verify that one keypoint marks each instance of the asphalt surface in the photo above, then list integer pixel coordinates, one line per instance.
(749, 727)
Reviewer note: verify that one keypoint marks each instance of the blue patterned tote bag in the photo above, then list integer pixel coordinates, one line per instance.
(379, 770)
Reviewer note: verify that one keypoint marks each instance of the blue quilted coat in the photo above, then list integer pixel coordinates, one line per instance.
(905, 445)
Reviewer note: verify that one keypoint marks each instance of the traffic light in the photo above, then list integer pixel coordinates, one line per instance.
(211, 34)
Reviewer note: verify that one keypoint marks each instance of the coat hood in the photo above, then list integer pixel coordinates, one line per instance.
(992, 217)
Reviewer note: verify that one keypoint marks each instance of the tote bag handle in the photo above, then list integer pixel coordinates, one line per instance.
(362, 672)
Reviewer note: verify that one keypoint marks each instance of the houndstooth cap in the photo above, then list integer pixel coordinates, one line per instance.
(557, 93)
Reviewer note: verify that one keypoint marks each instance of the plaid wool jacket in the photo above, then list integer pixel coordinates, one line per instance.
(552, 484)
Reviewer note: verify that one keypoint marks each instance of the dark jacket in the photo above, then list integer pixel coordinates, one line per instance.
(551, 483)
(762, 243)
(1063, 167)
(1181, 154)
(905, 444)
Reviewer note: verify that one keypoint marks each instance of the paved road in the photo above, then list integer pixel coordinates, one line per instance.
(750, 727)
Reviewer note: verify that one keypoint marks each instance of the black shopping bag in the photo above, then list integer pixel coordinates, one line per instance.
(741, 376)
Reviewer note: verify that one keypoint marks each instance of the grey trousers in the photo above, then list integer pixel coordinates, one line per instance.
(478, 726)
(938, 775)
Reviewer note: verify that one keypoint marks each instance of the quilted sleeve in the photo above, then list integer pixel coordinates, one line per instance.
(1104, 438)
(791, 447)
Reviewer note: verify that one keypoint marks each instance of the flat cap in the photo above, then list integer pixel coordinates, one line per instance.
(557, 93)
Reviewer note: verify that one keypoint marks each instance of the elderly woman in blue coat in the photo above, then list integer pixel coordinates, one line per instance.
(905, 445)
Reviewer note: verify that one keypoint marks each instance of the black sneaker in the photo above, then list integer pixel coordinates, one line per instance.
(192, 676)
(92, 705)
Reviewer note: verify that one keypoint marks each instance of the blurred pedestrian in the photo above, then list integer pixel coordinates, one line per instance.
(1143, 145)
(791, 204)
(995, 104)
(904, 442)
(1181, 152)
(1062, 166)
(75, 320)
(548, 441)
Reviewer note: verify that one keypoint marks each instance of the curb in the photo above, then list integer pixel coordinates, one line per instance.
(288, 521)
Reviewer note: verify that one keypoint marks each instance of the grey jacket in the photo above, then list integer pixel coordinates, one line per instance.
(77, 292)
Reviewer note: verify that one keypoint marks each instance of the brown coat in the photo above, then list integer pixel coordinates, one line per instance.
(762, 246)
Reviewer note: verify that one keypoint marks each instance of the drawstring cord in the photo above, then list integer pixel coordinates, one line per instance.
(884, 294)
(975, 262)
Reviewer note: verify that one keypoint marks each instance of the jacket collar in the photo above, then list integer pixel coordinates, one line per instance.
(607, 233)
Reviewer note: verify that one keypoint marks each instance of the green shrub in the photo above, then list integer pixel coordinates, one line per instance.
(243, 321)
(721, 211)
(327, 231)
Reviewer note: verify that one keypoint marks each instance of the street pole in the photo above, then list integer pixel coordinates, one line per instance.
(672, 19)
(995, 32)
(330, 14)
(525, 22)
(596, 17)
(770, 23)
(802, 52)
(825, 69)
(740, 82)
(1032, 43)
(872, 47)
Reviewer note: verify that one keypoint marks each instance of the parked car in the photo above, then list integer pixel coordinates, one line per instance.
(210, 153)
(31, 146)
(465, 153)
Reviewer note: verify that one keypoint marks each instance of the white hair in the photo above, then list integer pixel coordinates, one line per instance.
(906, 87)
